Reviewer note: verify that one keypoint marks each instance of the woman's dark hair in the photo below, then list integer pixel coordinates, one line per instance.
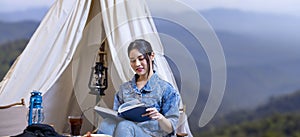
(143, 47)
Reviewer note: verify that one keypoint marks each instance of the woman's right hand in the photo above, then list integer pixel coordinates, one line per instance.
(153, 114)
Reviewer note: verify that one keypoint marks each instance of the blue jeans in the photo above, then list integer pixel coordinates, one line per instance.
(121, 128)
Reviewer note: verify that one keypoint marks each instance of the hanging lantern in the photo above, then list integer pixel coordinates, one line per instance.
(98, 77)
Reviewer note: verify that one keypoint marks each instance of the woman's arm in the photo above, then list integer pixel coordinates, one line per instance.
(164, 123)
(117, 102)
(169, 110)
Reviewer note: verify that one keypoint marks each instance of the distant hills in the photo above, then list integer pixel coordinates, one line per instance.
(20, 24)
(10, 31)
(278, 125)
(284, 104)
(35, 14)
(8, 54)
(282, 27)
(262, 60)
(279, 117)
(261, 52)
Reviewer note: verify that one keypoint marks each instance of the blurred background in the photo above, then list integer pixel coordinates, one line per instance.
(261, 43)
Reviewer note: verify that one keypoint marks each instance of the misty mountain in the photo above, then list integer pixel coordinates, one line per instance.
(262, 54)
(8, 53)
(259, 66)
(270, 26)
(255, 72)
(283, 108)
(35, 14)
(10, 31)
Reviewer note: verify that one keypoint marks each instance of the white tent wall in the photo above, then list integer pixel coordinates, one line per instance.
(44, 59)
(48, 52)
(58, 59)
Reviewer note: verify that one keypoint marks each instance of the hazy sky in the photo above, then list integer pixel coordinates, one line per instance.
(270, 6)
(19, 5)
(267, 6)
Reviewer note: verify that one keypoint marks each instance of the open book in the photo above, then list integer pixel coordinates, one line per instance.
(131, 110)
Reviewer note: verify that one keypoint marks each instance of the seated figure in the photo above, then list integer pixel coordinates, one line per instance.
(161, 98)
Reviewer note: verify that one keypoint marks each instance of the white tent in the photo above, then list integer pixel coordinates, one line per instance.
(58, 58)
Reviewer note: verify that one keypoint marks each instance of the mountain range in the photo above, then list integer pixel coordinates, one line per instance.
(10, 31)
(33, 14)
(278, 117)
(260, 63)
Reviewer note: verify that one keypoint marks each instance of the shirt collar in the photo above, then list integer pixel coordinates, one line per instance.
(149, 85)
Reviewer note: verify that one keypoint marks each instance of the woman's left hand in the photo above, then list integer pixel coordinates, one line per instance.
(164, 123)
(153, 114)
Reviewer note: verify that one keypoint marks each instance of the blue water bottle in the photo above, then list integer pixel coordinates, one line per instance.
(36, 114)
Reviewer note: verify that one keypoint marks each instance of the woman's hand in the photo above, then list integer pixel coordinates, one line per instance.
(88, 134)
(153, 114)
(164, 123)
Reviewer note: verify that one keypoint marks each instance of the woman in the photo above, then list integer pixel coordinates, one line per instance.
(147, 87)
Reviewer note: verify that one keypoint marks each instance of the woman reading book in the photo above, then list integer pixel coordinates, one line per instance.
(160, 97)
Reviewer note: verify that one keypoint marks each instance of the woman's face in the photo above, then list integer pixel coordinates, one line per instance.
(138, 62)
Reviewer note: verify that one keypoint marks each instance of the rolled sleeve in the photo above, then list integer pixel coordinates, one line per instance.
(117, 102)
(170, 108)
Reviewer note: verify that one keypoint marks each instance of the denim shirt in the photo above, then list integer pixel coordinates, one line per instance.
(156, 93)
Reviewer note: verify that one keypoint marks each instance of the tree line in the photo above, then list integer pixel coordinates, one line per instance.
(9, 51)
(279, 117)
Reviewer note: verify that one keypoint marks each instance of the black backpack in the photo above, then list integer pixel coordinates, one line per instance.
(39, 130)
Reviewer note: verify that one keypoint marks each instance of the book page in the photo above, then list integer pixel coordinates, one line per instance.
(129, 105)
(106, 112)
(134, 113)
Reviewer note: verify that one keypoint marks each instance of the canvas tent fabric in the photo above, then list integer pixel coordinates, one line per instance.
(57, 60)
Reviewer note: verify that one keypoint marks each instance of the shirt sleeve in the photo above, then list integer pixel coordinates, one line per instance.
(170, 107)
(117, 102)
